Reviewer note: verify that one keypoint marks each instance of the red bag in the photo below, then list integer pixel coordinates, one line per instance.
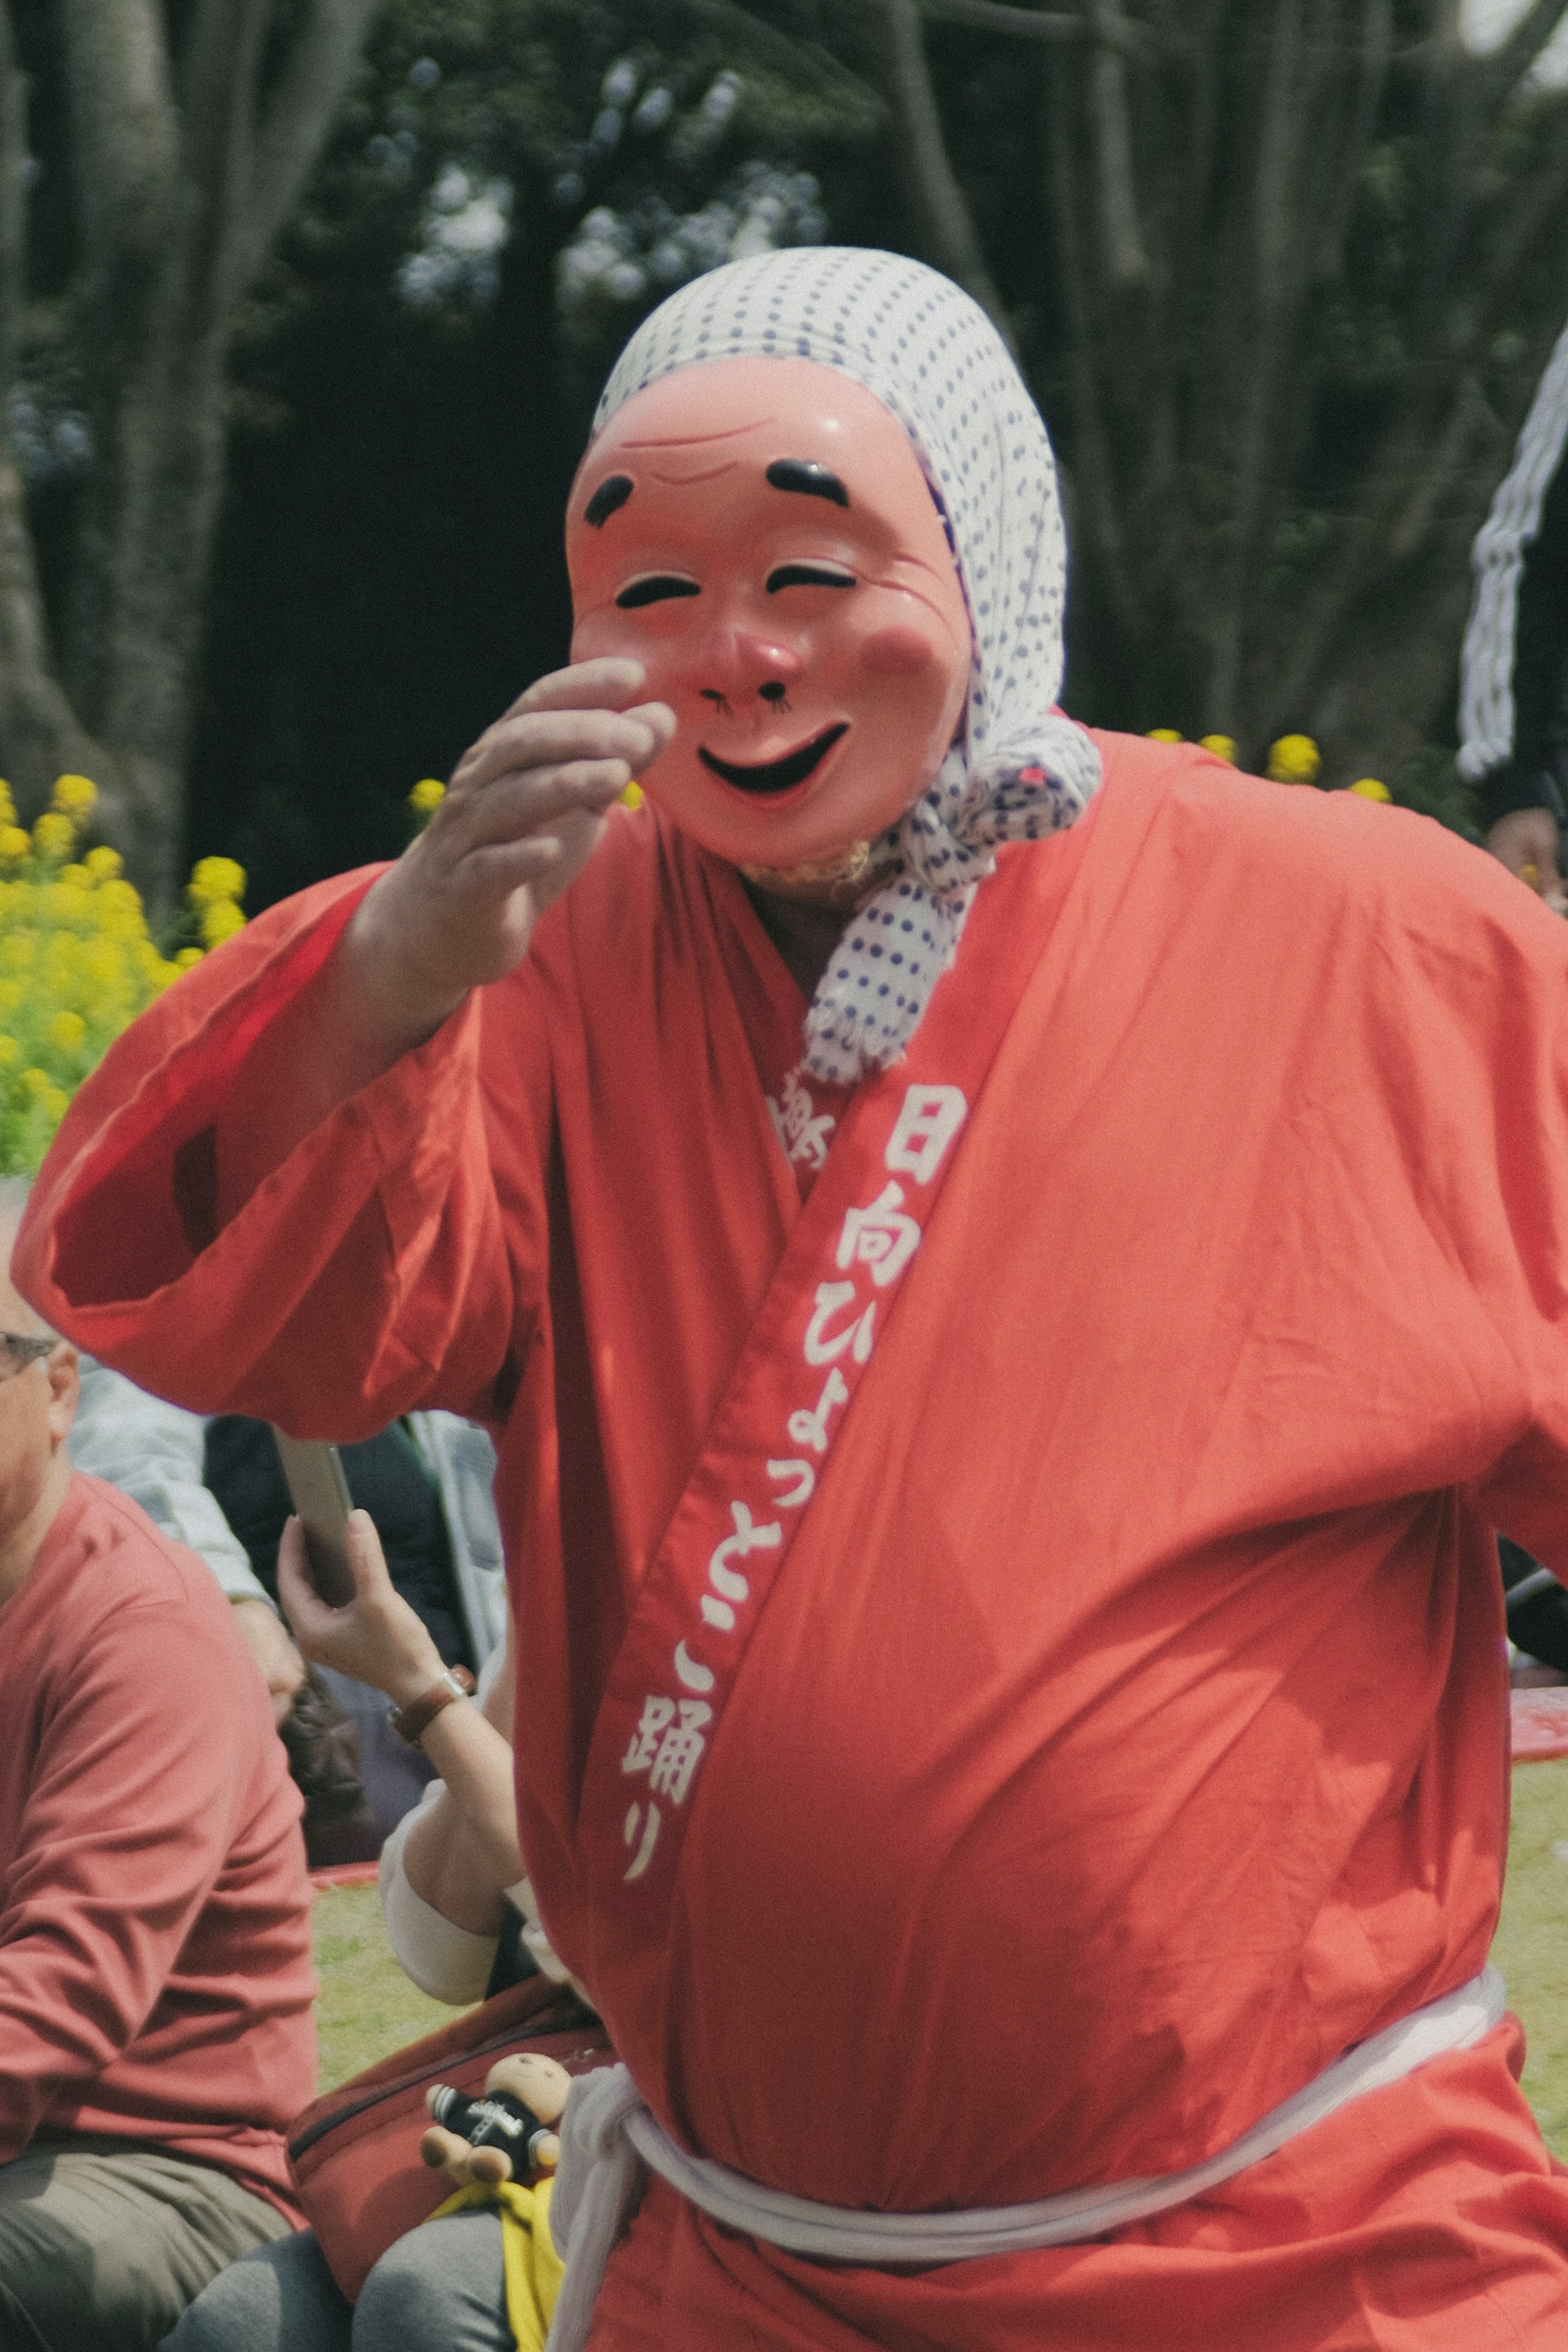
(354, 2154)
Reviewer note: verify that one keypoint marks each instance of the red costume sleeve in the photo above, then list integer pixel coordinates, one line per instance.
(395, 1288)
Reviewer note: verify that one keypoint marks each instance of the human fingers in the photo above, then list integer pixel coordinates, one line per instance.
(609, 683)
(309, 1616)
(526, 741)
(367, 1562)
(525, 803)
(1526, 841)
(283, 1668)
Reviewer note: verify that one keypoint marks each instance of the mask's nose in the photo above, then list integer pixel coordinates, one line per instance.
(734, 665)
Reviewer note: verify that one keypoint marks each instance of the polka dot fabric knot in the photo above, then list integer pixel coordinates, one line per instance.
(1020, 770)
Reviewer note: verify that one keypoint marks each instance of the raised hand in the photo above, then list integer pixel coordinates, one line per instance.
(526, 810)
(376, 1637)
(1528, 843)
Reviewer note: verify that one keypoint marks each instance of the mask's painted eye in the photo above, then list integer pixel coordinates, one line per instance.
(809, 575)
(655, 590)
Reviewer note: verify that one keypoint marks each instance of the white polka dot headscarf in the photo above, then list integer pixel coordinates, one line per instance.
(1018, 771)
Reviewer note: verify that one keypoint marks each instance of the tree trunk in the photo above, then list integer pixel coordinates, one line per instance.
(38, 729)
(140, 579)
(186, 171)
(1248, 573)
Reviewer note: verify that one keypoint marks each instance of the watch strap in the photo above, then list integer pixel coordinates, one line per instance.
(413, 1721)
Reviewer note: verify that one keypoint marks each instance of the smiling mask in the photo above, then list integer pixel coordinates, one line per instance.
(759, 534)
(820, 508)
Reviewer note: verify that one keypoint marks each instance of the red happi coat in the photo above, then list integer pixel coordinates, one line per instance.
(1117, 1729)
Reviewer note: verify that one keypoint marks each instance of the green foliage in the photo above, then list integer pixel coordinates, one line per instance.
(407, 416)
(1430, 781)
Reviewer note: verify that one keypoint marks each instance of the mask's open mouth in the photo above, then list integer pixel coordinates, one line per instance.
(776, 775)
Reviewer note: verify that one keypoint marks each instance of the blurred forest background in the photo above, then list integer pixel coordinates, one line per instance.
(304, 305)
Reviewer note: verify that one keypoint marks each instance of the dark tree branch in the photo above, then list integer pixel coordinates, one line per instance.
(37, 725)
(217, 105)
(1126, 259)
(802, 62)
(1372, 80)
(1096, 475)
(300, 113)
(126, 127)
(1507, 64)
(941, 209)
(1040, 24)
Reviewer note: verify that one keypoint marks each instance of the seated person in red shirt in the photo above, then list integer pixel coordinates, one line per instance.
(155, 1980)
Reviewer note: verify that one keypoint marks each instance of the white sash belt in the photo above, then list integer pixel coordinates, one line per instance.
(610, 2142)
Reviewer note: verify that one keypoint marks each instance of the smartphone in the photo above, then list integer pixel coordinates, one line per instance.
(320, 1493)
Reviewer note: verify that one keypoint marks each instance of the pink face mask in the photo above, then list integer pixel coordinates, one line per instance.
(758, 533)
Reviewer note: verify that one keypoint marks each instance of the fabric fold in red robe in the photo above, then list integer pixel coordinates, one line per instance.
(1125, 1734)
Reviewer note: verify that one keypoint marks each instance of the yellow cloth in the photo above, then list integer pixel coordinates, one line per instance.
(533, 2268)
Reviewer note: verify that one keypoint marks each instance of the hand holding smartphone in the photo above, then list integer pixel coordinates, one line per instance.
(320, 1493)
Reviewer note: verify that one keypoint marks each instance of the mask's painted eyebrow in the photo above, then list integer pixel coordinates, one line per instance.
(610, 494)
(812, 481)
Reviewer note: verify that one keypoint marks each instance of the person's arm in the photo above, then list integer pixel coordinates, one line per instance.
(144, 1755)
(153, 1452)
(461, 1859)
(374, 1272)
(525, 812)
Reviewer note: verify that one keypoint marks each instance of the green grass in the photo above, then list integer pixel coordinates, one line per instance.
(1531, 1947)
(368, 2007)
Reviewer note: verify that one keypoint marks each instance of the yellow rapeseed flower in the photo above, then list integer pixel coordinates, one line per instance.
(1165, 735)
(220, 920)
(1372, 789)
(1293, 760)
(215, 879)
(54, 836)
(75, 794)
(66, 902)
(77, 964)
(427, 796)
(123, 897)
(1222, 746)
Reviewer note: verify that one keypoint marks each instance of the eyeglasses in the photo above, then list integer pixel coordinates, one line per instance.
(18, 1350)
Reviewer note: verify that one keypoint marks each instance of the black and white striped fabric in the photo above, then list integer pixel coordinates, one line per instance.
(1020, 769)
(1488, 666)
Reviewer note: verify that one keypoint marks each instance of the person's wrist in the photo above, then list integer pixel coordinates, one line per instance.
(411, 1722)
(409, 1681)
(394, 998)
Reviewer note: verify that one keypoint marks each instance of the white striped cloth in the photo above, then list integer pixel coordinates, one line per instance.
(1487, 713)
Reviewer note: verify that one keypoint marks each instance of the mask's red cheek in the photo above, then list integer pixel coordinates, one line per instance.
(897, 653)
